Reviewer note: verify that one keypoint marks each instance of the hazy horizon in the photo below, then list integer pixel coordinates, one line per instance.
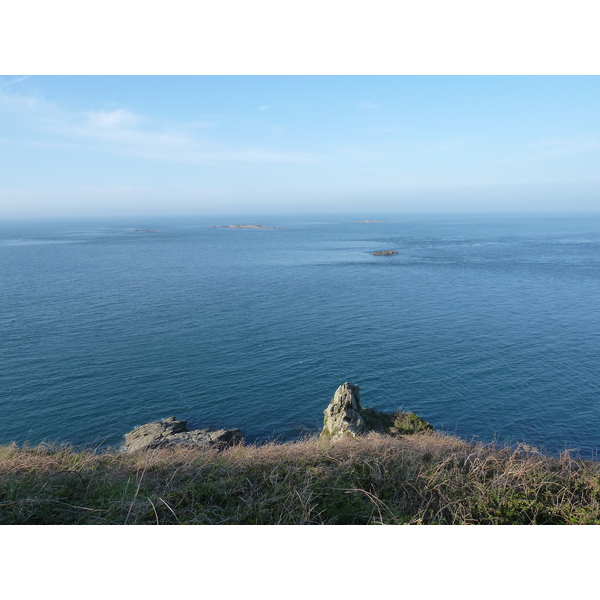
(79, 146)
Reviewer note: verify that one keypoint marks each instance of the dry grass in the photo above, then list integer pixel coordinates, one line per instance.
(426, 478)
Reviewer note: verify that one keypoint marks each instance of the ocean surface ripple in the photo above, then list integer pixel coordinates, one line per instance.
(488, 327)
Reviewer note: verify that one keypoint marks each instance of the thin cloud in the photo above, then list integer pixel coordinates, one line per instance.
(382, 129)
(126, 133)
(117, 190)
(16, 102)
(369, 105)
(199, 125)
(394, 149)
(17, 79)
(550, 148)
(113, 119)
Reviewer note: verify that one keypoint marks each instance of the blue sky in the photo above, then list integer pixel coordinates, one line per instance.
(98, 145)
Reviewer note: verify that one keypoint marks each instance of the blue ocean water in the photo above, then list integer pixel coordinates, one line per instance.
(488, 327)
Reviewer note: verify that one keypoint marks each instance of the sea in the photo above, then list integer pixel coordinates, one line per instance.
(487, 326)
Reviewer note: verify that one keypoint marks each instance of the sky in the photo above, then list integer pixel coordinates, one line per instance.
(204, 144)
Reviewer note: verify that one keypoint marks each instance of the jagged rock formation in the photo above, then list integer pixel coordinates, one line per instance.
(345, 417)
(171, 432)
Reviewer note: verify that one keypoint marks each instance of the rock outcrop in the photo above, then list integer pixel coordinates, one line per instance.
(384, 253)
(171, 432)
(345, 417)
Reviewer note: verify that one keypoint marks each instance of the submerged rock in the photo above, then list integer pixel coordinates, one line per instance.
(345, 417)
(171, 432)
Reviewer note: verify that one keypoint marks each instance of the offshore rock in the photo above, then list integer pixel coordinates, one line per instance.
(345, 417)
(246, 227)
(171, 432)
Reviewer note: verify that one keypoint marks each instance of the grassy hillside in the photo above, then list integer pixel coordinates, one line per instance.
(429, 478)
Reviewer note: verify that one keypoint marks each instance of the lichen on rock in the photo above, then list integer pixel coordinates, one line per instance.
(171, 432)
(344, 415)
(346, 418)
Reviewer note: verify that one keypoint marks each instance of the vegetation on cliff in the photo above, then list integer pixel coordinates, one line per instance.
(426, 478)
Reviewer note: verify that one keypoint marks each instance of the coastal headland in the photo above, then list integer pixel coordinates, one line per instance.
(365, 467)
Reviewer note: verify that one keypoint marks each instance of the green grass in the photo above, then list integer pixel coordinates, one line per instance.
(427, 478)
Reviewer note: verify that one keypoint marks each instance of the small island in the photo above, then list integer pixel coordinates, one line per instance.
(384, 253)
(146, 231)
(370, 221)
(246, 227)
